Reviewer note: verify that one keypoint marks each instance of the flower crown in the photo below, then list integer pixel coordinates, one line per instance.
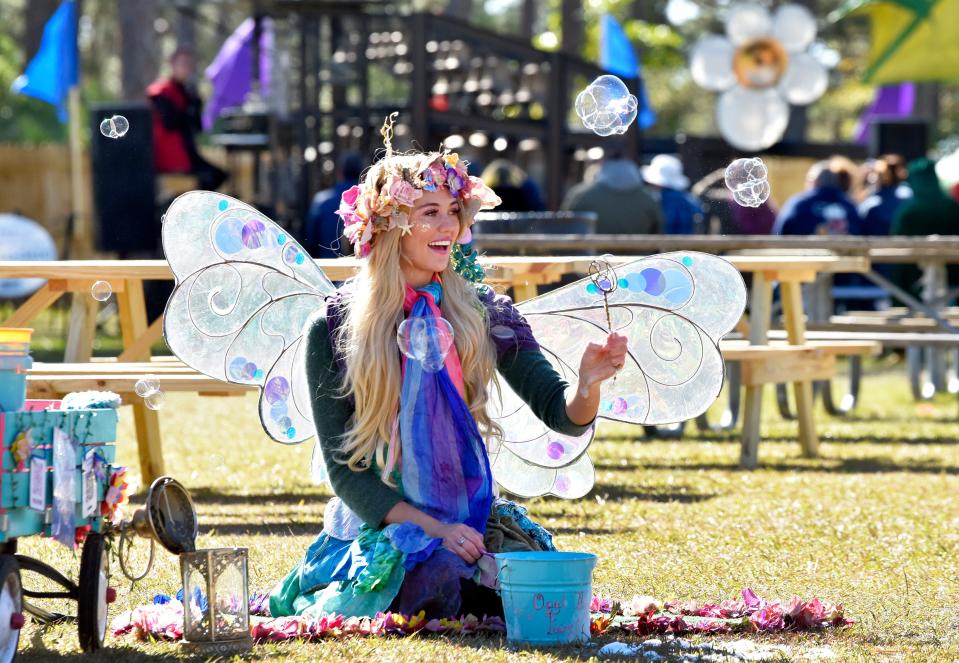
(384, 200)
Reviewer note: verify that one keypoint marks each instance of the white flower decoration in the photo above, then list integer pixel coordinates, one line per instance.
(760, 69)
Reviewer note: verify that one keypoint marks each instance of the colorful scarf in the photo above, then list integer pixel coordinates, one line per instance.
(444, 467)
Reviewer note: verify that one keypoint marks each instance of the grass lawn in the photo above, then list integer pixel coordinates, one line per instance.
(873, 524)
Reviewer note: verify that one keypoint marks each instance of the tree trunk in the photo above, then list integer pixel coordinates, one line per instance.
(572, 22)
(185, 26)
(527, 21)
(36, 15)
(645, 10)
(139, 56)
(460, 8)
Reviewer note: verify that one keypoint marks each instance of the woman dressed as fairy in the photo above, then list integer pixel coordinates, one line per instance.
(404, 430)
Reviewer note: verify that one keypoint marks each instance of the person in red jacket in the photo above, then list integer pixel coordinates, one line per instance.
(176, 121)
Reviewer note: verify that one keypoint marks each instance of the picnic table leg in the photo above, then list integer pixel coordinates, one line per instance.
(796, 334)
(934, 286)
(523, 290)
(133, 323)
(83, 328)
(760, 307)
(40, 300)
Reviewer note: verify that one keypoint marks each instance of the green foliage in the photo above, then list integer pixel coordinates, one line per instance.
(23, 119)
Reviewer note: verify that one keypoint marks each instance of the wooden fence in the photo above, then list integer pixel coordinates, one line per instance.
(35, 182)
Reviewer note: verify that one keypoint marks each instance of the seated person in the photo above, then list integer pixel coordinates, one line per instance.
(176, 121)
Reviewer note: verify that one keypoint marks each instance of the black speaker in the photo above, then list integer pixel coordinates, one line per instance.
(124, 182)
(906, 137)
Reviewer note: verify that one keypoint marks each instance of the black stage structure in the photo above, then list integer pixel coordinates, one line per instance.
(485, 95)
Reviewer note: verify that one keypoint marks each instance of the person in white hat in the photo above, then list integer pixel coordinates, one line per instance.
(683, 214)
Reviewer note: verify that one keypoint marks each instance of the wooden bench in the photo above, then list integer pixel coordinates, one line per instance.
(778, 362)
(773, 363)
(55, 380)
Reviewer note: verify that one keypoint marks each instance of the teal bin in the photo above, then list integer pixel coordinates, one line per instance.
(13, 381)
(546, 596)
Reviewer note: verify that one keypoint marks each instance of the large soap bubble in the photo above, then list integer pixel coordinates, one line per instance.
(101, 291)
(426, 340)
(115, 127)
(155, 401)
(146, 385)
(606, 106)
(747, 180)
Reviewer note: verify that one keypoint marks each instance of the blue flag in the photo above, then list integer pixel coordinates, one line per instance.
(55, 68)
(617, 56)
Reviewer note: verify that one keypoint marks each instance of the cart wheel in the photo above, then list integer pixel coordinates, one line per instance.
(94, 592)
(11, 608)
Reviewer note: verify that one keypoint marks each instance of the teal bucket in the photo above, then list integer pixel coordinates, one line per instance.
(13, 381)
(546, 596)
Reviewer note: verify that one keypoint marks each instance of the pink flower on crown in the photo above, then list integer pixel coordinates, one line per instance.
(348, 201)
(478, 196)
(360, 235)
(404, 193)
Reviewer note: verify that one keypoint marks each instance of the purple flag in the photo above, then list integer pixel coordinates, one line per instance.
(892, 101)
(232, 69)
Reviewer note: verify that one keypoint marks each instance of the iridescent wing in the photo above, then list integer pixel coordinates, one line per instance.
(674, 308)
(244, 290)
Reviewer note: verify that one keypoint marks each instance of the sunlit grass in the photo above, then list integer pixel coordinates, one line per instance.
(873, 523)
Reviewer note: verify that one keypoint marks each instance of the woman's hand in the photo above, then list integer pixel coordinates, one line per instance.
(462, 540)
(600, 362)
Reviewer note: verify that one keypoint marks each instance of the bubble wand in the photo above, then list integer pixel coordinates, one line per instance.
(603, 276)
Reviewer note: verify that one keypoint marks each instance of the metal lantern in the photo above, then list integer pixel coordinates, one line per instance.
(216, 607)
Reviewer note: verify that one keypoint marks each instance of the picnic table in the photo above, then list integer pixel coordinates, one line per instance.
(927, 364)
(764, 364)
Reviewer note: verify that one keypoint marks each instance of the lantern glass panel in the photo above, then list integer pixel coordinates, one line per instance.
(231, 617)
(196, 614)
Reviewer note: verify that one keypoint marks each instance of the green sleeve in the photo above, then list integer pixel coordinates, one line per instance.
(363, 492)
(535, 380)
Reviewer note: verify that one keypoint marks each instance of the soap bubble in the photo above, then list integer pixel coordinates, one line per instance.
(753, 194)
(426, 340)
(147, 385)
(746, 178)
(101, 291)
(606, 107)
(155, 400)
(115, 127)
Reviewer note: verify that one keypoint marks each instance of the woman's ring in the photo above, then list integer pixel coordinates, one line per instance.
(460, 541)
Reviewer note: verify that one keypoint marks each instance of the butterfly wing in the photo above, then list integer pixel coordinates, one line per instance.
(244, 291)
(673, 308)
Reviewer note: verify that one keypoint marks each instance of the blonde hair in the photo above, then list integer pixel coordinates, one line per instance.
(367, 341)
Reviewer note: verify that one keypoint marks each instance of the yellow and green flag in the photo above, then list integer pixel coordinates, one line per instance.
(912, 40)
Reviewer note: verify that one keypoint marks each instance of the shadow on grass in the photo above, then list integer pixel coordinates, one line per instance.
(499, 644)
(111, 652)
(276, 528)
(884, 439)
(211, 496)
(825, 465)
(613, 493)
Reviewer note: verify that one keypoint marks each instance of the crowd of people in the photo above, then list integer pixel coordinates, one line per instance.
(882, 196)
